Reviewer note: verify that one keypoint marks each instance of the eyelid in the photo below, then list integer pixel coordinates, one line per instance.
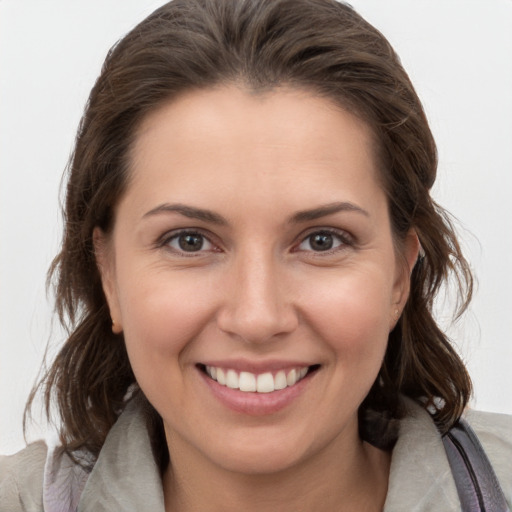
(164, 240)
(346, 238)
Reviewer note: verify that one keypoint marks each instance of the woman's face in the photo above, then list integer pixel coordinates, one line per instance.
(253, 250)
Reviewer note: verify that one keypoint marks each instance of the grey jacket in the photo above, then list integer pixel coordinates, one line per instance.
(125, 477)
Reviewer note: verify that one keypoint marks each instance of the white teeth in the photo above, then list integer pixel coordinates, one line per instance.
(291, 378)
(265, 383)
(221, 376)
(232, 379)
(247, 381)
(280, 380)
(262, 383)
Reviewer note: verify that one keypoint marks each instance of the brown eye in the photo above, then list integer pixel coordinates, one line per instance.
(323, 241)
(189, 241)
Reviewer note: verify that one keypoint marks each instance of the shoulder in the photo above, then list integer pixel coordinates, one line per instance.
(491, 426)
(21, 479)
(420, 474)
(495, 434)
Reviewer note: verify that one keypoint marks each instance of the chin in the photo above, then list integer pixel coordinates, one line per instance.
(267, 451)
(259, 460)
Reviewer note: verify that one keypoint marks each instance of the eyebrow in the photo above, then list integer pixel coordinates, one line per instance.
(188, 211)
(302, 216)
(328, 209)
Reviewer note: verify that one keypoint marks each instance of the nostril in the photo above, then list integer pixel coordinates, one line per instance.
(256, 327)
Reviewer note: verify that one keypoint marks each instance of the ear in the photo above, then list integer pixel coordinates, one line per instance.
(406, 259)
(106, 266)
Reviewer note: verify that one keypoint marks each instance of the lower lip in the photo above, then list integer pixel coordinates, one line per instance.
(256, 404)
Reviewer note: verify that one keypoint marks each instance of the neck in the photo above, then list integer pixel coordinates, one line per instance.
(351, 479)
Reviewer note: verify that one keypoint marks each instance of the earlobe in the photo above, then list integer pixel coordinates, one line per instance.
(410, 251)
(106, 267)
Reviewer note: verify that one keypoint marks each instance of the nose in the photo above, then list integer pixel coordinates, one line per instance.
(257, 306)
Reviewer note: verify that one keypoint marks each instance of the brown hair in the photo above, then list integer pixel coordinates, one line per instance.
(320, 45)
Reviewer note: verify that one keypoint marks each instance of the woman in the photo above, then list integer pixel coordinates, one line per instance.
(248, 267)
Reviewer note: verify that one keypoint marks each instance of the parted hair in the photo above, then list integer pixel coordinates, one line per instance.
(322, 46)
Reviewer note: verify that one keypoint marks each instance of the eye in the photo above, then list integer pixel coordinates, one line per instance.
(323, 241)
(189, 241)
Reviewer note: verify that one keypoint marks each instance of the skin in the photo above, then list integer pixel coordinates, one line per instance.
(258, 291)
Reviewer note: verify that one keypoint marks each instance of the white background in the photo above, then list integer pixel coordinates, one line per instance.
(459, 56)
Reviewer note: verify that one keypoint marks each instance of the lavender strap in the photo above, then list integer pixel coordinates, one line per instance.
(63, 481)
(476, 482)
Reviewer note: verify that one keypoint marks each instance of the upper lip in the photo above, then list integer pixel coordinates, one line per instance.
(243, 365)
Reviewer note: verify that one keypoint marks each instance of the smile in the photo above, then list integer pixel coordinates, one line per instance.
(256, 383)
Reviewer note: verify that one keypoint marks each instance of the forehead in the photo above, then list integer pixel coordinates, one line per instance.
(256, 143)
(280, 114)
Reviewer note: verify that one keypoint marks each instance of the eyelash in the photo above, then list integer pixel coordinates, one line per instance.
(345, 240)
(166, 240)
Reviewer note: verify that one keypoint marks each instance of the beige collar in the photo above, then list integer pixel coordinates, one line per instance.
(125, 476)
(420, 476)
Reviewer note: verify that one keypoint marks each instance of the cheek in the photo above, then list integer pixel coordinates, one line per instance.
(161, 316)
(351, 313)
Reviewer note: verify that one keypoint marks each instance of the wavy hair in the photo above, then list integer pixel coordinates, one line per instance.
(322, 46)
